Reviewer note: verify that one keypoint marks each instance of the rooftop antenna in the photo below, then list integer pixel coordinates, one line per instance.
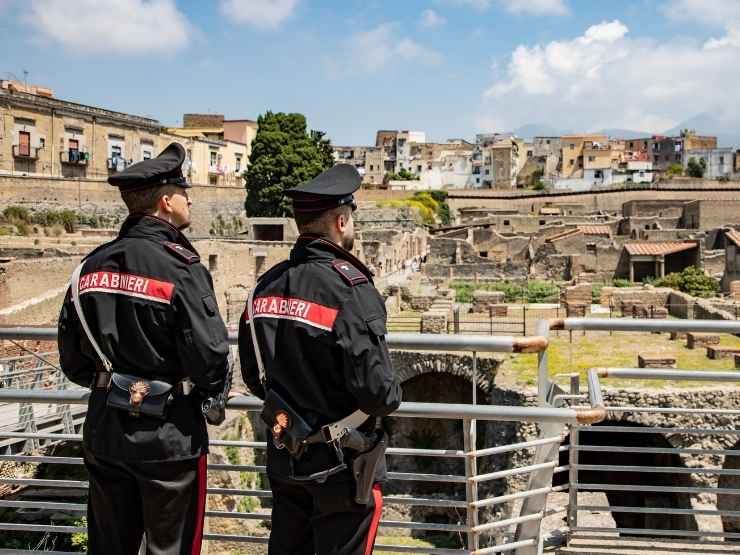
(25, 78)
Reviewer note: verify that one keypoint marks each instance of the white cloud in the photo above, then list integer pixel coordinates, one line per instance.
(430, 19)
(518, 7)
(718, 13)
(127, 27)
(259, 13)
(604, 78)
(381, 47)
(535, 7)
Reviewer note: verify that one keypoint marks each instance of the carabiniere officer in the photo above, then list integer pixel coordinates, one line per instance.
(150, 308)
(320, 329)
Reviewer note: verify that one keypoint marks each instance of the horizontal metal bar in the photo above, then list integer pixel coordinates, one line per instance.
(51, 505)
(418, 477)
(233, 443)
(660, 532)
(504, 547)
(244, 492)
(237, 468)
(239, 515)
(676, 410)
(410, 410)
(42, 459)
(657, 469)
(655, 510)
(514, 447)
(509, 497)
(420, 549)
(620, 324)
(13, 527)
(407, 451)
(511, 472)
(507, 522)
(76, 484)
(640, 430)
(235, 538)
(658, 489)
(654, 374)
(423, 502)
(655, 450)
(414, 341)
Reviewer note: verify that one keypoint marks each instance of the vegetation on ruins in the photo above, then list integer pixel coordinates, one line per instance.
(674, 170)
(691, 280)
(431, 206)
(531, 292)
(402, 175)
(284, 155)
(224, 228)
(54, 222)
(696, 169)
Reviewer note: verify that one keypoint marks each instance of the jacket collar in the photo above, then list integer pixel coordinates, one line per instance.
(156, 229)
(310, 247)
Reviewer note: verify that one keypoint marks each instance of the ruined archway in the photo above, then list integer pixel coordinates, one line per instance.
(631, 498)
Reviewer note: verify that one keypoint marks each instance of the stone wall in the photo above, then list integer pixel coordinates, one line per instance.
(96, 197)
(681, 305)
(703, 310)
(647, 295)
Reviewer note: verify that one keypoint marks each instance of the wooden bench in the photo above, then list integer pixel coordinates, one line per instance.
(678, 335)
(655, 361)
(694, 340)
(722, 352)
(737, 361)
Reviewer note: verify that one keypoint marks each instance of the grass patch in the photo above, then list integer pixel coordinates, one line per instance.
(598, 349)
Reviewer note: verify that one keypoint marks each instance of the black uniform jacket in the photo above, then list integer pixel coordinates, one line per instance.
(150, 305)
(321, 328)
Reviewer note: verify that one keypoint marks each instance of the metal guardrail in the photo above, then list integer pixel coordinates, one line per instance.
(486, 526)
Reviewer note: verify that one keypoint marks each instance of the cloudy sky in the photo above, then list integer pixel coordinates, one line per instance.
(448, 67)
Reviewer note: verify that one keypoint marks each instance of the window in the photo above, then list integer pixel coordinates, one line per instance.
(721, 160)
(488, 172)
(24, 143)
(214, 158)
(42, 142)
(116, 151)
(418, 169)
(237, 162)
(372, 167)
(572, 146)
(547, 141)
(571, 162)
(592, 158)
(543, 222)
(591, 248)
(483, 254)
(507, 222)
(74, 145)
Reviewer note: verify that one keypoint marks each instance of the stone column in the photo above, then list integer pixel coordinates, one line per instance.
(632, 271)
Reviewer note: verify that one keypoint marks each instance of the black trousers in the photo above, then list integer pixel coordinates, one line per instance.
(322, 519)
(164, 500)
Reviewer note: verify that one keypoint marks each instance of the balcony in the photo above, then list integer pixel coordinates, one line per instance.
(74, 157)
(215, 170)
(26, 152)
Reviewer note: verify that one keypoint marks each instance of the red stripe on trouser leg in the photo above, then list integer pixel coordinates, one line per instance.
(378, 499)
(202, 477)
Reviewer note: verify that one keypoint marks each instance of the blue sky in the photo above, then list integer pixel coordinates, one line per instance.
(448, 67)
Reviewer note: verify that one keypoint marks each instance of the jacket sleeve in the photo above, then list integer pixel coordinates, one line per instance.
(247, 359)
(360, 329)
(202, 341)
(74, 347)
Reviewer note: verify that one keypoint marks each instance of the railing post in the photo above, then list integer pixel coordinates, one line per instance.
(573, 480)
(471, 487)
(539, 479)
(524, 319)
(456, 319)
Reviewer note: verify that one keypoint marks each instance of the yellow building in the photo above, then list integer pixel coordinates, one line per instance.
(45, 136)
(573, 155)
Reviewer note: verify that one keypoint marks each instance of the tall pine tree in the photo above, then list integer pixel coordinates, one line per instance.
(284, 155)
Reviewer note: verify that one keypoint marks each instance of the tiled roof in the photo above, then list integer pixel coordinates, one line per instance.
(733, 235)
(595, 229)
(659, 248)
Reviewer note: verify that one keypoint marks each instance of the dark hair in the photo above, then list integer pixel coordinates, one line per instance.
(144, 201)
(320, 222)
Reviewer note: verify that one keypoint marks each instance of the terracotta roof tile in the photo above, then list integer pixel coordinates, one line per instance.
(733, 235)
(659, 248)
(595, 229)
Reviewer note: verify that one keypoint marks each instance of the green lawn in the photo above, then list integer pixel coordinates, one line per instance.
(599, 349)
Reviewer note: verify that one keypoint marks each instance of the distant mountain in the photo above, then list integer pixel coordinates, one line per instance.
(531, 130)
(727, 133)
(704, 123)
(622, 133)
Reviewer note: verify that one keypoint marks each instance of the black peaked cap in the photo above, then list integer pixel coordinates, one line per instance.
(331, 188)
(162, 170)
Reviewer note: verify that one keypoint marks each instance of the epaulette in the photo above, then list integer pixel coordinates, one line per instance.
(349, 273)
(181, 252)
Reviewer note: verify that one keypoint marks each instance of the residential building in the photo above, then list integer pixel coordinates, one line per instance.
(500, 163)
(352, 155)
(718, 162)
(387, 140)
(572, 153)
(41, 135)
(375, 165)
(597, 162)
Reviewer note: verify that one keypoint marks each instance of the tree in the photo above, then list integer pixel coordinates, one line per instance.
(696, 169)
(284, 155)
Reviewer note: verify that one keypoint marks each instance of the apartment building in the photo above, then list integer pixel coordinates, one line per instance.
(572, 153)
